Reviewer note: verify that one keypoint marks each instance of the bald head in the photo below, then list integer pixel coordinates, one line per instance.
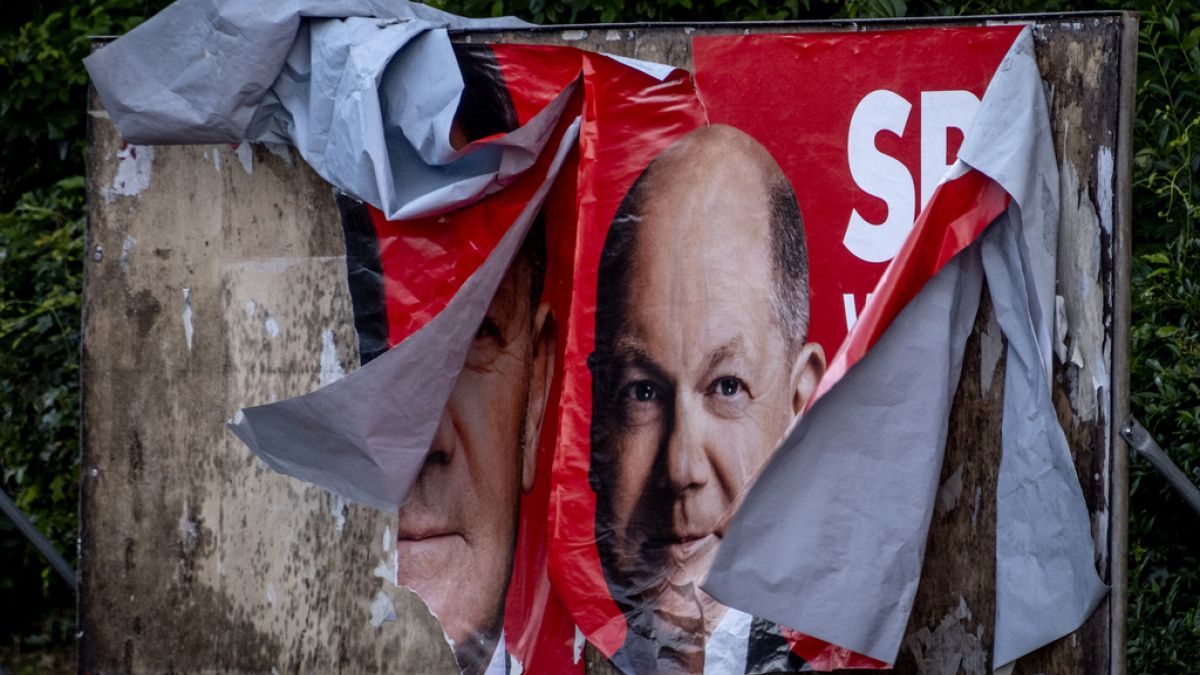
(706, 179)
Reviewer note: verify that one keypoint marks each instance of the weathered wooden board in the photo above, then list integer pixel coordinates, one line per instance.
(219, 282)
(214, 280)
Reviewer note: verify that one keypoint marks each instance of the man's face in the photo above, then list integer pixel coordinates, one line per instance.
(704, 386)
(456, 531)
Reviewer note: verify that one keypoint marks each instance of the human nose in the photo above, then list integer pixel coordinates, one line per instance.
(688, 465)
(430, 486)
(442, 447)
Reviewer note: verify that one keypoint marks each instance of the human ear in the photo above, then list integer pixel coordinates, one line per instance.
(541, 375)
(806, 373)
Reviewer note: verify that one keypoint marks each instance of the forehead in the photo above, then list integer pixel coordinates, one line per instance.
(701, 259)
(707, 192)
(706, 215)
(512, 303)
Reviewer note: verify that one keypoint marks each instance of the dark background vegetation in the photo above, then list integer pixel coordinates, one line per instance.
(42, 124)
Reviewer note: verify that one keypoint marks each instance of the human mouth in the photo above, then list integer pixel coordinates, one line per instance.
(420, 534)
(425, 554)
(424, 533)
(426, 540)
(687, 548)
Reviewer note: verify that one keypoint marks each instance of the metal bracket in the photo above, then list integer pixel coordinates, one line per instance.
(39, 541)
(1139, 439)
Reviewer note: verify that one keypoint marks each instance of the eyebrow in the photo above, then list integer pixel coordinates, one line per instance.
(628, 352)
(728, 351)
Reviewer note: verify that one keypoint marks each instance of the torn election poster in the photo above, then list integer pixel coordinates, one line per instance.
(669, 355)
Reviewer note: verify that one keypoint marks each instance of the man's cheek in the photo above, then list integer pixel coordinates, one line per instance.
(486, 404)
(739, 450)
(635, 466)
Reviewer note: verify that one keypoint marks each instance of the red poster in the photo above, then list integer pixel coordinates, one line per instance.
(688, 283)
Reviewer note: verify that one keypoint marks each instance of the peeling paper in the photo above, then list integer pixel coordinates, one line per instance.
(577, 646)
(950, 491)
(126, 250)
(658, 71)
(975, 508)
(189, 531)
(1104, 191)
(385, 570)
(382, 610)
(991, 348)
(315, 437)
(230, 91)
(1060, 328)
(1084, 308)
(282, 151)
(134, 166)
(245, 155)
(950, 649)
(331, 368)
(337, 504)
(187, 317)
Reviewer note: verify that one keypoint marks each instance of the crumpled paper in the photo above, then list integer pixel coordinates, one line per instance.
(345, 81)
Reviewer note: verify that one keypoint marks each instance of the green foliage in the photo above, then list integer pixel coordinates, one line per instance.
(1164, 561)
(1168, 127)
(41, 110)
(1164, 556)
(40, 282)
(610, 11)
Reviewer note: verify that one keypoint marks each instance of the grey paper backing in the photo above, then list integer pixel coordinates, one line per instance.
(365, 436)
(365, 89)
(843, 565)
(1046, 580)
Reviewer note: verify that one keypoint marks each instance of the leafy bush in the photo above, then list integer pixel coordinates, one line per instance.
(40, 282)
(1164, 553)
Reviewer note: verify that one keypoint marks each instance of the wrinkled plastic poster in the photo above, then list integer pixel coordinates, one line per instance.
(698, 260)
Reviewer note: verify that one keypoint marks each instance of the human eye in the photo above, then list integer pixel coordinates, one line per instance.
(487, 329)
(728, 386)
(486, 345)
(642, 391)
(642, 401)
(728, 396)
